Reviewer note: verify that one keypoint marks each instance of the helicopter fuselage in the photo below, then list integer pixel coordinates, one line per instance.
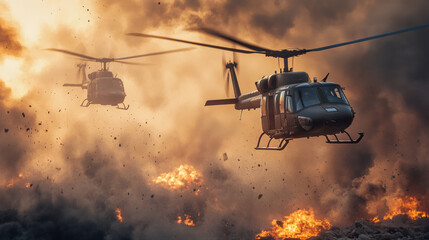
(294, 107)
(305, 110)
(105, 89)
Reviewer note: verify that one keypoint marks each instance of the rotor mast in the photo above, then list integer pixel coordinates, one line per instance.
(286, 66)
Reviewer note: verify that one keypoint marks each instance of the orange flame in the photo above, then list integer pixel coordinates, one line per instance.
(403, 206)
(182, 177)
(119, 215)
(300, 224)
(13, 181)
(187, 220)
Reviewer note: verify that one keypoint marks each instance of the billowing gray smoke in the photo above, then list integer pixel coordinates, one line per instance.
(82, 165)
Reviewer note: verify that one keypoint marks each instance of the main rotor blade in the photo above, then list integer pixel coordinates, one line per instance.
(71, 53)
(194, 43)
(231, 39)
(368, 38)
(134, 63)
(155, 53)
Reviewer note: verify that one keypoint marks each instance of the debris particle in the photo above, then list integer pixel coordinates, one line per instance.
(260, 196)
(6, 130)
(225, 156)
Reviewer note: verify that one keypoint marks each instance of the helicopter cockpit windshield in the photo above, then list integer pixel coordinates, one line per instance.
(112, 84)
(334, 94)
(314, 95)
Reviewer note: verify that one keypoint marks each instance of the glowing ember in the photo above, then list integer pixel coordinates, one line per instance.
(403, 206)
(27, 185)
(300, 224)
(15, 180)
(187, 220)
(182, 177)
(119, 215)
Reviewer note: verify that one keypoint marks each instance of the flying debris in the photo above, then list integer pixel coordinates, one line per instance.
(102, 87)
(292, 106)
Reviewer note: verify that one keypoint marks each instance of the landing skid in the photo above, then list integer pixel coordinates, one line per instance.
(283, 143)
(348, 141)
(85, 103)
(122, 106)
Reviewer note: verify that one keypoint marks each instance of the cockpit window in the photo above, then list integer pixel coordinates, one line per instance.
(334, 94)
(306, 96)
(110, 85)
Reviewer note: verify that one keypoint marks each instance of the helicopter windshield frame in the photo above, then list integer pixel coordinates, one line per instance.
(307, 96)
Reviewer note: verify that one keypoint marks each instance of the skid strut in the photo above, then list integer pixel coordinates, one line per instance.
(122, 106)
(85, 103)
(348, 141)
(283, 143)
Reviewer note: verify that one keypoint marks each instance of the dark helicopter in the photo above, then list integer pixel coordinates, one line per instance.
(292, 106)
(104, 88)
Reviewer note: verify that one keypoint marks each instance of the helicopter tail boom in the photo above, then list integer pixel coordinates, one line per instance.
(72, 85)
(221, 101)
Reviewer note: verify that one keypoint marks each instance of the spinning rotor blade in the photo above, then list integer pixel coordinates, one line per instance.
(368, 38)
(231, 39)
(155, 53)
(71, 53)
(134, 63)
(194, 43)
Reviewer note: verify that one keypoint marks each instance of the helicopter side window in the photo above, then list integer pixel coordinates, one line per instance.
(277, 99)
(308, 95)
(298, 102)
(282, 102)
(263, 106)
(289, 108)
(334, 94)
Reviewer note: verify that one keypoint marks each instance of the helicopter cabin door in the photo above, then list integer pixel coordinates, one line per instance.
(267, 113)
(278, 113)
(281, 111)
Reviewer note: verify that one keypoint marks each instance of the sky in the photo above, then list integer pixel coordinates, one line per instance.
(83, 163)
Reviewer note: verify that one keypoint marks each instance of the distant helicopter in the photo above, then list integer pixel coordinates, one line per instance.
(103, 88)
(292, 106)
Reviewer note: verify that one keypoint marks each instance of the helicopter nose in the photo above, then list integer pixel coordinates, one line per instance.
(337, 117)
(327, 119)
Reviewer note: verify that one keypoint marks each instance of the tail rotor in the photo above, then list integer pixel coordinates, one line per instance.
(229, 68)
(80, 74)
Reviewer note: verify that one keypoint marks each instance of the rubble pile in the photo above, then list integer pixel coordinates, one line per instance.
(400, 227)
